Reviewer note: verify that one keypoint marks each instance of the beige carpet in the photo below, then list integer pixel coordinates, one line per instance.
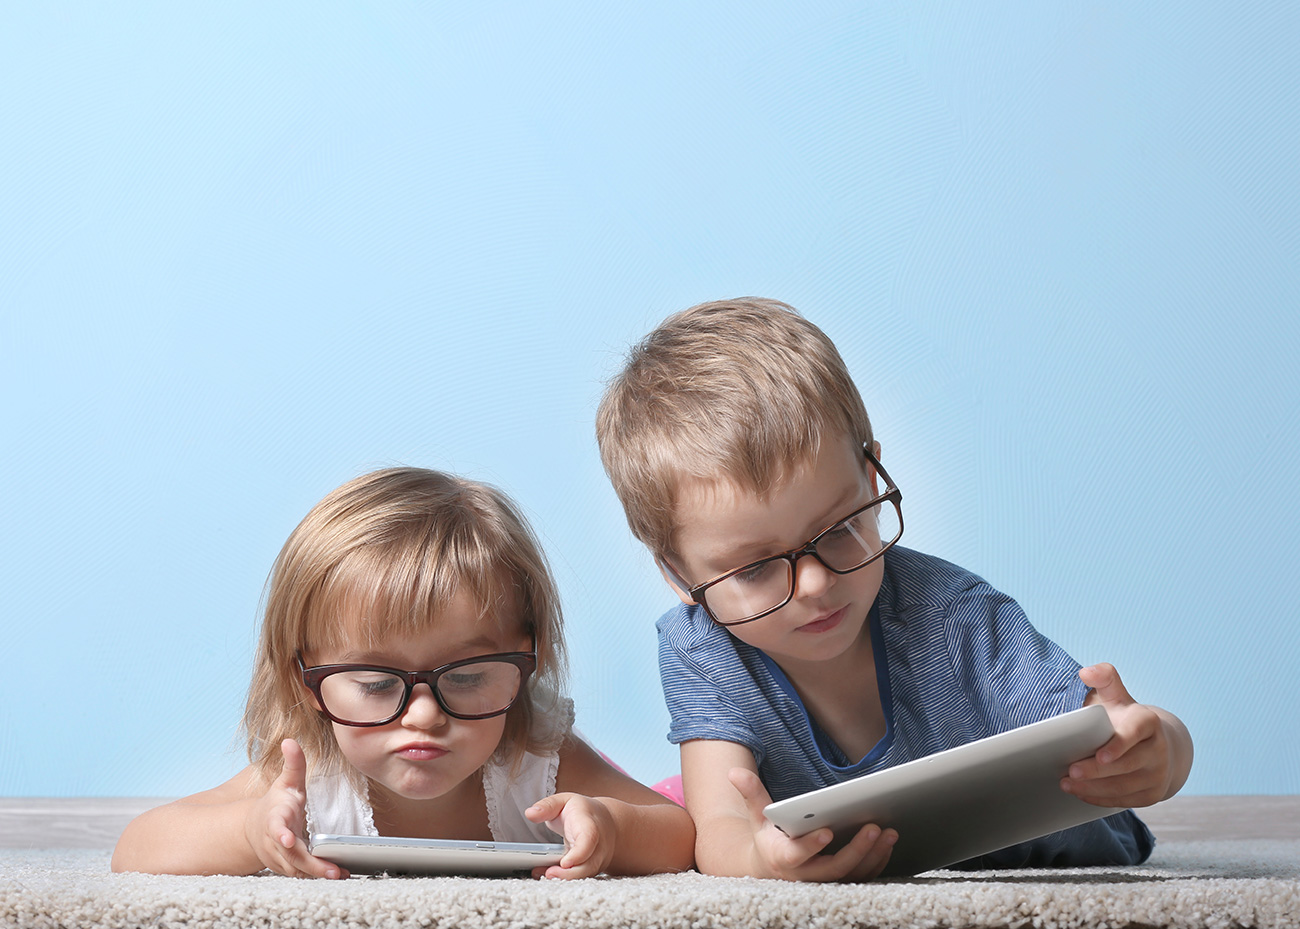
(1186, 884)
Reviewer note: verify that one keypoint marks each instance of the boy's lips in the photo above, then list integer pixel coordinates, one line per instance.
(825, 623)
(421, 751)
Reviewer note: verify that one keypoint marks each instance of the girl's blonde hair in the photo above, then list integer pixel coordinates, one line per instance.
(382, 556)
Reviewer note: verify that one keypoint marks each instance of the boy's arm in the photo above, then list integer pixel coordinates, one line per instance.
(240, 827)
(1146, 761)
(611, 822)
(726, 798)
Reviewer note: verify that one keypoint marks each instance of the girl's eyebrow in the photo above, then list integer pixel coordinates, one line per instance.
(478, 645)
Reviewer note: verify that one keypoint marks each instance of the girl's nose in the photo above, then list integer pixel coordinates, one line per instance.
(423, 710)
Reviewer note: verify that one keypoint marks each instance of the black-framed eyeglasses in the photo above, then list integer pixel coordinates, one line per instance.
(370, 695)
(761, 587)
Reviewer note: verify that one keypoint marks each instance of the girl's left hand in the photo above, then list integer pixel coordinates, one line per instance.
(588, 830)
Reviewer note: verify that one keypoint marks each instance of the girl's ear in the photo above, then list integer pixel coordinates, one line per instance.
(675, 581)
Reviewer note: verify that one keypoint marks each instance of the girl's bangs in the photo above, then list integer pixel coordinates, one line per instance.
(377, 592)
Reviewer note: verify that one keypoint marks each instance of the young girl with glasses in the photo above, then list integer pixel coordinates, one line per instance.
(408, 682)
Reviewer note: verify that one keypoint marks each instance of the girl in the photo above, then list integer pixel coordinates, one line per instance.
(407, 682)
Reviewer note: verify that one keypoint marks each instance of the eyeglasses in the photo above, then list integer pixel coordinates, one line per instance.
(761, 587)
(366, 695)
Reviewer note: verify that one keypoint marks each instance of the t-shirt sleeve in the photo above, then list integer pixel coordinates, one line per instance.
(702, 676)
(1014, 674)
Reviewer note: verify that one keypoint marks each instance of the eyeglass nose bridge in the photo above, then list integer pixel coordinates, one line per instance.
(415, 679)
(809, 548)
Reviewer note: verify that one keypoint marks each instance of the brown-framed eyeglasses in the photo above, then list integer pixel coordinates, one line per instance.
(371, 695)
(761, 587)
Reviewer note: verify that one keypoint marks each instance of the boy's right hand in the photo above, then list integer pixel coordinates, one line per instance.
(777, 855)
(276, 823)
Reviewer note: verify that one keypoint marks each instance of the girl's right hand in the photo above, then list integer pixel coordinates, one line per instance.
(276, 823)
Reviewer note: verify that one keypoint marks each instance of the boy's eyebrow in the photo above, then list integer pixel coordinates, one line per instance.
(751, 550)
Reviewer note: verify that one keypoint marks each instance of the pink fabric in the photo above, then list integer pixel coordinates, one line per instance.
(670, 787)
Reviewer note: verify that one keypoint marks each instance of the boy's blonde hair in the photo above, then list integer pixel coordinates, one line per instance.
(736, 391)
(383, 555)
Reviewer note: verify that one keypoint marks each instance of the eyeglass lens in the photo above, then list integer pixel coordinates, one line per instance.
(847, 545)
(365, 695)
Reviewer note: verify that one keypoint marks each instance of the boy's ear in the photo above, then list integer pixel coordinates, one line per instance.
(675, 581)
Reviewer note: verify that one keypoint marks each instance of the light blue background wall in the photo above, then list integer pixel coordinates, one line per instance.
(250, 250)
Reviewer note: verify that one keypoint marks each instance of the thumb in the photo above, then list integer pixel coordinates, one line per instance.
(293, 776)
(752, 791)
(1104, 679)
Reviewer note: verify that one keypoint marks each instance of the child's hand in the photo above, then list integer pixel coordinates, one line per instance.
(275, 825)
(588, 829)
(1146, 760)
(778, 855)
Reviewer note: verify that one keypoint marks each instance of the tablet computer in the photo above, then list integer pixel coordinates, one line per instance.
(965, 801)
(364, 854)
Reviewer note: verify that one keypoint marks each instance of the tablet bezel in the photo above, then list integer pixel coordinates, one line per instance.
(965, 801)
(361, 854)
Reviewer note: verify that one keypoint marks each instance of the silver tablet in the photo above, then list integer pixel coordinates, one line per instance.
(361, 854)
(963, 802)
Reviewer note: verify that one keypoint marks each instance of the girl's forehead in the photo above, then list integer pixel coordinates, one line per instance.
(365, 624)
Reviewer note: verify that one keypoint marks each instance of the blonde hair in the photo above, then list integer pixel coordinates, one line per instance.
(738, 391)
(381, 556)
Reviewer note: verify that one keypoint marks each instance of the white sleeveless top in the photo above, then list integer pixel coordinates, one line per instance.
(335, 806)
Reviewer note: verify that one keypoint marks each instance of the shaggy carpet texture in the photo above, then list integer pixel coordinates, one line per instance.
(1189, 884)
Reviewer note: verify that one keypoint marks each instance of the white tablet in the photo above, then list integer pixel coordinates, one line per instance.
(361, 854)
(963, 802)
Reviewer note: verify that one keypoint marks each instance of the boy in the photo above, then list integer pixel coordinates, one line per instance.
(809, 647)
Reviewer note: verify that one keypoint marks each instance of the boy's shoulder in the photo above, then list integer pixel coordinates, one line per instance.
(914, 579)
(688, 627)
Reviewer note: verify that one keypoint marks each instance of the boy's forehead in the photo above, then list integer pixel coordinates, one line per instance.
(721, 517)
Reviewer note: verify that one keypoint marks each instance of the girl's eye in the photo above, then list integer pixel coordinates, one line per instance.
(462, 680)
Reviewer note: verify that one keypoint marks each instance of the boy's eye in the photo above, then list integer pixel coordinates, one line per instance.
(756, 574)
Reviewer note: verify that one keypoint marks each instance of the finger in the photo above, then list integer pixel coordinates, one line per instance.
(546, 809)
(876, 858)
(580, 838)
(301, 863)
(846, 860)
(1129, 790)
(1105, 680)
(562, 873)
(1119, 762)
(752, 791)
(293, 776)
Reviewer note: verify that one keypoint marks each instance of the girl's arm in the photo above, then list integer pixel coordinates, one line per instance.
(611, 822)
(240, 827)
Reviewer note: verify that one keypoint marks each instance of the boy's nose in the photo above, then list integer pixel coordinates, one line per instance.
(811, 577)
(423, 711)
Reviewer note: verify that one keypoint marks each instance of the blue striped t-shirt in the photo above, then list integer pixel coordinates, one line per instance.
(955, 661)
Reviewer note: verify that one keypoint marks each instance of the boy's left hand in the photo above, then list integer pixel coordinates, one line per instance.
(1146, 760)
(588, 830)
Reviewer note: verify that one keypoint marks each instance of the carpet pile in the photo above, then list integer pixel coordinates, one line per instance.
(1192, 884)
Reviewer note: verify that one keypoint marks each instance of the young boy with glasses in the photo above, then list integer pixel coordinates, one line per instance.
(810, 648)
